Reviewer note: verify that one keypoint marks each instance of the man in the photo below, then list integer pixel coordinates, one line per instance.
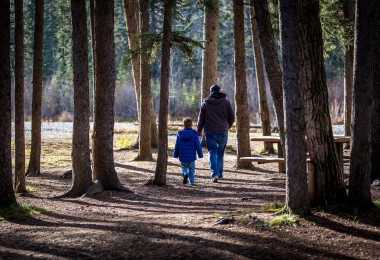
(216, 117)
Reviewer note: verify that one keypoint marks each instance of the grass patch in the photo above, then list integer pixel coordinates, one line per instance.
(19, 211)
(274, 206)
(376, 203)
(271, 208)
(123, 142)
(30, 188)
(284, 220)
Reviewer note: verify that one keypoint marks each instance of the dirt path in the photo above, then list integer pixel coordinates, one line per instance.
(180, 221)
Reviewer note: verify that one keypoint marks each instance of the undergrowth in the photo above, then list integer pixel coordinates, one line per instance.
(243, 214)
(284, 220)
(19, 211)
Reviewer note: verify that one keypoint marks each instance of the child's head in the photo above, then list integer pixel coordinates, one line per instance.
(187, 123)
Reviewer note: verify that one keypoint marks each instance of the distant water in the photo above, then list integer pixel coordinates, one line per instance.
(65, 129)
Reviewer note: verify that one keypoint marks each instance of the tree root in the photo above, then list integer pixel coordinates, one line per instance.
(67, 174)
(33, 173)
(139, 159)
(301, 212)
(95, 188)
(152, 182)
(149, 182)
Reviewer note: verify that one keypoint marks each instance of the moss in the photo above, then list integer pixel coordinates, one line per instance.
(284, 220)
(274, 206)
(19, 211)
(377, 203)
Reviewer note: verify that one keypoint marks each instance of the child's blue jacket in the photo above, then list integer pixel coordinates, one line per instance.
(187, 145)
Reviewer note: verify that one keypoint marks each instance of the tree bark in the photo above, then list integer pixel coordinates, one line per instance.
(7, 196)
(263, 105)
(329, 187)
(241, 98)
(360, 162)
(210, 47)
(92, 22)
(271, 62)
(34, 167)
(132, 18)
(349, 14)
(131, 11)
(296, 178)
(375, 135)
(103, 159)
(162, 157)
(81, 161)
(19, 183)
(145, 150)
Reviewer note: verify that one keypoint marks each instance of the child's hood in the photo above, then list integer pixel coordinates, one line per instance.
(186, 134)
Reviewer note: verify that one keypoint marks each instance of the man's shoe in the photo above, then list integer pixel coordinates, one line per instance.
(185, 179)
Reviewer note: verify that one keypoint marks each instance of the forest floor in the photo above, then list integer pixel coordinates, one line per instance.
(225, 220)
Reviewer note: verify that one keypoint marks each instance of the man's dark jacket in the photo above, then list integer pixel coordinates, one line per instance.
(216, 114)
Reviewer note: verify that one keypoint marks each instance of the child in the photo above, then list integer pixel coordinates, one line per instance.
(186, 147)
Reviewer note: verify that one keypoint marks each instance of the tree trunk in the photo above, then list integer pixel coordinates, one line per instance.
(131, 12)
(145, 150)
(360, 163)
(320, 140)
(19, 184)
(296, 178)
(81, 127)
(162, 157)
(7, 196)
(131, 8)
(153, 127)
(348, 81)
(34, 167)
(103, 159)
(241, 98)
(271, 62)
(375, 135)
(210, 47)
(92, 22)
(263, 105)
(349, 14)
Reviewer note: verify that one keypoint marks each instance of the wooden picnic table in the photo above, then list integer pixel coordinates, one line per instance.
(339, 141)
(276, 140)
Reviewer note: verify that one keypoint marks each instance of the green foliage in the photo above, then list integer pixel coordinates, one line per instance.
(124, 141)
(19, 211)
(284, 220)
(186, 56)
(377, 203)
(275, 206)
(337, 30)
(207, 3)
(185, 44)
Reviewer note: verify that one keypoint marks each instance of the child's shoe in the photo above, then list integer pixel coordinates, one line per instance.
(185, 179)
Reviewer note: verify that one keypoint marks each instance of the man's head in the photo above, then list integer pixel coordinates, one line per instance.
(187, 123)
(214, 88)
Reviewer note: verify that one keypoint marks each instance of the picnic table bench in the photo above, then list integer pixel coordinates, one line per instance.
(310, 172)
(339, 141)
